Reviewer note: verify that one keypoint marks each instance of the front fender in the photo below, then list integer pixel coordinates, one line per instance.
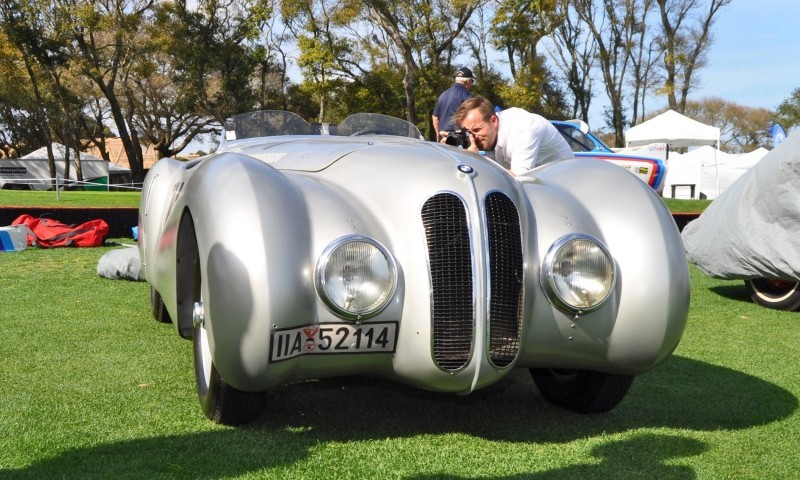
(254, 241)
(642, 322)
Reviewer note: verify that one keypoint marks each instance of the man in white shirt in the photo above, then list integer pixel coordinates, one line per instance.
(516, 139)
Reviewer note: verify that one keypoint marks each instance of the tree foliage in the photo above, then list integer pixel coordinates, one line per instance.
(788, 113)
(686, 37)
(164, 73)
(742, 129)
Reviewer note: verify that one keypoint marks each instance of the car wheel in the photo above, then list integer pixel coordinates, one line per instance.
(775, 293)
(582, 391)
(220, 402)
(157, 305)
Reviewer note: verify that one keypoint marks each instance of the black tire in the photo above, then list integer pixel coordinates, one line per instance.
(220, 402)
(775, 293)
(160, 312)
(582, 391)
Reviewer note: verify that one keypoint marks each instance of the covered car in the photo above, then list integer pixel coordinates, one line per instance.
(750, 231)
(297, 252)
(584, 144)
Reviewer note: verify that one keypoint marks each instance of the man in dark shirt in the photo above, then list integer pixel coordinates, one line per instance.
(450, 100)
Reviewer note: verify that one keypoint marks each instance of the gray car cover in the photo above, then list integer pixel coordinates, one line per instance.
(752, 230)
(121, 264)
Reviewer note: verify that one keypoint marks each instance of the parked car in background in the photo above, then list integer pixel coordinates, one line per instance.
(749, 232)
(650, 170)
(296, 252)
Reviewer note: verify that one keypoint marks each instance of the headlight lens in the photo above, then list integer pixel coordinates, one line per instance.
(578, 273)
(356, 277)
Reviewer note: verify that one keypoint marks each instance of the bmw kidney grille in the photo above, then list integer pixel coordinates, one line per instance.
(450, 263)
(505, 275)
(444, 217)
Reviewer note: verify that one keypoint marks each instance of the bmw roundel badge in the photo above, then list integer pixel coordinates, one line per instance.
(465, 169)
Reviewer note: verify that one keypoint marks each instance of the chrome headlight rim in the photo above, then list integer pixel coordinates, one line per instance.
(548, 280)
(321, 284)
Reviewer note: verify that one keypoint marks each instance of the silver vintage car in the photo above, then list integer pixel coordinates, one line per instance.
(300, 252)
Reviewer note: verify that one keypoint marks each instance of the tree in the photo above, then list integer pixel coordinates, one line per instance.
(214, 47)
(17, 129)
(326, 56)
(609, 27)
(574, 54)
(643, 50)
(517, 28)
(788, 113)
(103, 45)
(168, 111)
(422, 31)
(742, 129)
(686, 38)
(271, 79)
(164, 72)
(161, 113)
(519, 25)
(26, 27)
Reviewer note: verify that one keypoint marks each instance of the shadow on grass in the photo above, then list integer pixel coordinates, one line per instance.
(680, 394)
(643, 456)
(732, 292)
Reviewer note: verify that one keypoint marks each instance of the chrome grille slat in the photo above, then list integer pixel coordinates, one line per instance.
(505, 270)
(450, 261)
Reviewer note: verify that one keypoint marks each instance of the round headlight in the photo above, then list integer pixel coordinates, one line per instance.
(578, 273)
(356, 277)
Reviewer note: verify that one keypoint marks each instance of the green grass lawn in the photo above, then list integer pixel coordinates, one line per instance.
(686, 206)
(70, 198)
(94, 388)
(10, 198)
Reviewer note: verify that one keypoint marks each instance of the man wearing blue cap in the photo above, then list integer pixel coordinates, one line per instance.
(450, 100)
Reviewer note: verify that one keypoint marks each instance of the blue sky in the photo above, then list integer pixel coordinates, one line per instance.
(754, 58)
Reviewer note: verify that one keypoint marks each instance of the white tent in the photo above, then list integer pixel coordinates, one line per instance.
(677, 131)
(715, 175)
(710, 171)
(33, 169)
(683, 172)
(721, 170)
(59, 152)
(674, 129)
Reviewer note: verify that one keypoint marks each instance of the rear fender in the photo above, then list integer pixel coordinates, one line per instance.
(160, 192)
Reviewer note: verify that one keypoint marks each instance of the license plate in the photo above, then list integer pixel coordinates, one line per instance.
(333, 338)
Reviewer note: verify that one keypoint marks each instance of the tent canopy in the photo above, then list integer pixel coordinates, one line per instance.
(674, 129)
(59, 152)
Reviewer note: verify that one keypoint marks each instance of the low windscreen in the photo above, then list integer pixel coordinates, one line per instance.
(270, 123)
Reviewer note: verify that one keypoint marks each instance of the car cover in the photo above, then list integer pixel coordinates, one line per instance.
(751, 230)
(121, 264)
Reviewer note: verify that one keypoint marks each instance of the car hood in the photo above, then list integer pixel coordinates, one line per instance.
(294, 153)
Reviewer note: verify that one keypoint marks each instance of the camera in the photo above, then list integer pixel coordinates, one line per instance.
(458, 138)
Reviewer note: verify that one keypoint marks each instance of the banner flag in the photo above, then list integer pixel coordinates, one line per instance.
(778, 134)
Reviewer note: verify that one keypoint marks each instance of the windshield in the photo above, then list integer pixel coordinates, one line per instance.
(579, 141)
(269, 123)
